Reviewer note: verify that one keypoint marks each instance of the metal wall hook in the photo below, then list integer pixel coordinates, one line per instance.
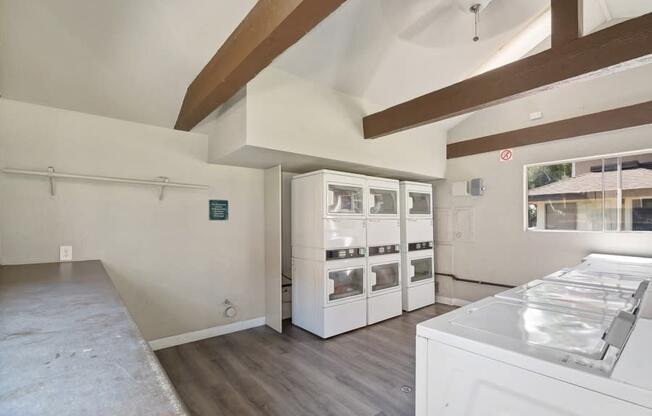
(51, 176)
(165, 180)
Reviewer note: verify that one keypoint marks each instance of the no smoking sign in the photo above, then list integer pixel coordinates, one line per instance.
(506, 155)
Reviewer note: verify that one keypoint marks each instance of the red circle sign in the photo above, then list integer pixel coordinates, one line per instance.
(506, 155)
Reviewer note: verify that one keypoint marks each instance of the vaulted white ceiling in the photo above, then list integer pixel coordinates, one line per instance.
(134, 59)
(389, 51)
(128, 59)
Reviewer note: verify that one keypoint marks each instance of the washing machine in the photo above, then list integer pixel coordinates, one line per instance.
(619, 272)
(546, 348)
(384, 294)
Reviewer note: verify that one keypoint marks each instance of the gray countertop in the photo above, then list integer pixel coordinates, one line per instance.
(68, 346)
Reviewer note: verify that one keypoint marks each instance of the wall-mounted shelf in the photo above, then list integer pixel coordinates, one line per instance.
(162, 181)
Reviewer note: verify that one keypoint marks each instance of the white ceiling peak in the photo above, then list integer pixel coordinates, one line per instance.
(133, 60)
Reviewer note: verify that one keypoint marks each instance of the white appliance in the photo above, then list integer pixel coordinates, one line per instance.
(417, 248)
(551, 347)
(383, 214)
(329, 240)
(328, 211)
(384, 298)
(623, 272)
(329, 296)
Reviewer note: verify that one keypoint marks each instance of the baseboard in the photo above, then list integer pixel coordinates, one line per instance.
(451, 301)
(173, 341)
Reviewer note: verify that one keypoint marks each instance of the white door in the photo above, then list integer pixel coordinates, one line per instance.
(273, 244)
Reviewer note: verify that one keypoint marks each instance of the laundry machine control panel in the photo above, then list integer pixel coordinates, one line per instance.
(385, 249)
(345, 253)
(423, 245)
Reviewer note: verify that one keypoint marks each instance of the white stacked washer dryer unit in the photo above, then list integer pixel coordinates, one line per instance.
(329, 240)
(383, 250)
(417, 248)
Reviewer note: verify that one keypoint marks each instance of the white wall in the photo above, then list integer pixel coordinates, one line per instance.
(226, 127)
(288, 113)
(573, 99)
(303, 126)
(172, 266)
(500, 249)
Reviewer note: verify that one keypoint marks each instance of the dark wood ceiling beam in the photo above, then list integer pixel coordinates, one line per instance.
(566, 21)
(621, 44)
(270, 28)
(609, 120)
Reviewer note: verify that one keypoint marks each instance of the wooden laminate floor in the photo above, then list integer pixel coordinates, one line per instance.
(261, 372)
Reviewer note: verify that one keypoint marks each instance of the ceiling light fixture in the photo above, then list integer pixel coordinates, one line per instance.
(475, 9)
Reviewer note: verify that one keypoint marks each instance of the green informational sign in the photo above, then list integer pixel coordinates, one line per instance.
(218, 210)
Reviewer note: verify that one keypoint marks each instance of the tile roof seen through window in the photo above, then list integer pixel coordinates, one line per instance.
(640, 178)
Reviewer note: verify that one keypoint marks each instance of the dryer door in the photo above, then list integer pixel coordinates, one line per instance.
(345, 283)
(383, 202)
(383, 277)
(421, 270)
(344, 200)
(419, 204)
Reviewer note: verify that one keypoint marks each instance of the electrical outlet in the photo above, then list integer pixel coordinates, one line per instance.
(65, 253)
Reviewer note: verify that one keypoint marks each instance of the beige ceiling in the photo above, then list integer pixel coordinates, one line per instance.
(134, 59)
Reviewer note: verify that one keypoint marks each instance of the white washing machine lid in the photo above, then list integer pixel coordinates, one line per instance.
(599, 278)
(639, 267)
(615, 258)
(642, 271)
(595, 299)
(569, 345)
(540, 326)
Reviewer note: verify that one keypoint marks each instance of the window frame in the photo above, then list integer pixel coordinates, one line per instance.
(603, 157)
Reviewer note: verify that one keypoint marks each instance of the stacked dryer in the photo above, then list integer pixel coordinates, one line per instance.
(417, 248)
(329, 263)
(383, 249)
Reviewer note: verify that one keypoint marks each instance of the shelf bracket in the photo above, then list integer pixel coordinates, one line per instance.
(165, 180)
(51, 177)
